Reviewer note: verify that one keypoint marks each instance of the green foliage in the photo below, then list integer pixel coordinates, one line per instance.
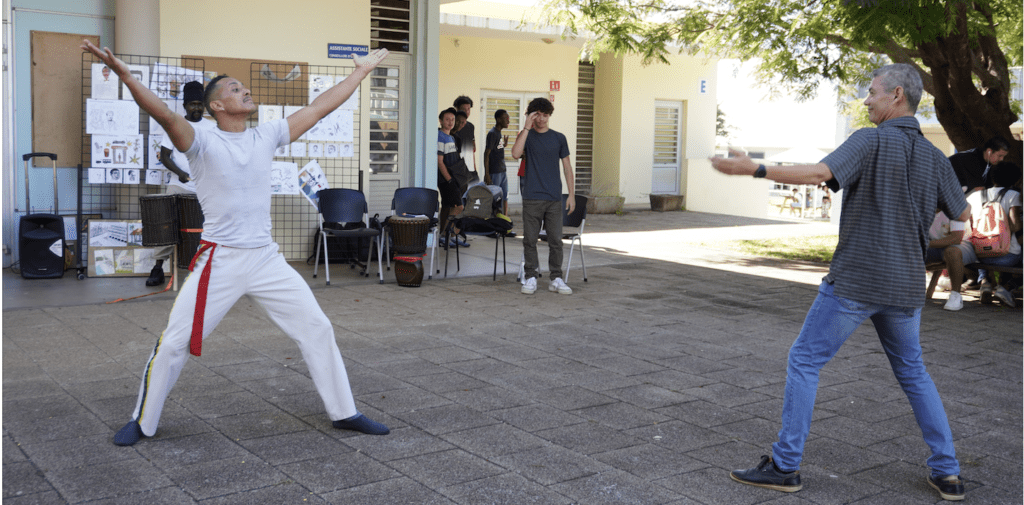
(722, 127)
(818, 249)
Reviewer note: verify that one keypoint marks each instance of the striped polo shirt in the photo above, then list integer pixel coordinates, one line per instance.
(892, 179)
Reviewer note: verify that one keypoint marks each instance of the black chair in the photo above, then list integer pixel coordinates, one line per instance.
(475, 226)
(343, 208)
(572, 230)
(418, 202)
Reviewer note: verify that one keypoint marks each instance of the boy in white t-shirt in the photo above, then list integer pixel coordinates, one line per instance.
(231, 167)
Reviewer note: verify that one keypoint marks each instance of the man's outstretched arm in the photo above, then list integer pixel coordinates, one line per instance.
(177, 127)
(331, 99)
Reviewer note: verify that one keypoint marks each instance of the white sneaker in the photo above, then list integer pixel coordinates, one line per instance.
(1005, 296)
(955, 301)
(559, 285)
(529, 286)
(944, 283)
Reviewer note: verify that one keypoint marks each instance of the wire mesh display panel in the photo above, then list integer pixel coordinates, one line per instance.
(115, 165)
(280, 89)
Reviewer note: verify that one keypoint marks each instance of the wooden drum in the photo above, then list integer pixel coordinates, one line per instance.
(190, 220)
(159, 219)
(409, 271)
(409, 234)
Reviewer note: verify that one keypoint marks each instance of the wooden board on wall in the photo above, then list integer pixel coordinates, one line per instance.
(57, 96)
(240, 68)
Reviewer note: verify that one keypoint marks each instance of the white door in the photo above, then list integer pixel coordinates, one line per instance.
(515, 104)
(667, 147)
(389, 117)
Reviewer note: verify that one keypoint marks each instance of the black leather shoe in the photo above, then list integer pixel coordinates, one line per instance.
(156, 277)
(767, 475)
(950, 487)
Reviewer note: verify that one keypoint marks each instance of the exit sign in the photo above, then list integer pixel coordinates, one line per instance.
(555, 85)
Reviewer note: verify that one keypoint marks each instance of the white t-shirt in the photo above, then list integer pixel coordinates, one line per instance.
(180, 160)
(1010, 199)
(232, 175)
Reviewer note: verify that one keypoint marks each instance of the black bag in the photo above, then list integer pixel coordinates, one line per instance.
(352, 250)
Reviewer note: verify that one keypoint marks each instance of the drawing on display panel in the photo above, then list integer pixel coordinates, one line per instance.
(141, 74)
(114, 175)
(154, 177)
(97, 176)
(284, 178)
(111, 117)
(144, 260)
(312, 180)
(334, 127)
(331, 150)
(130, 176)
(120, 151)
(283, 151)
(135, 233)
(268, 113)
(104, 260)
(318, 84)
(315, 150)
(108, 233)
(154, 152)
(168, 81)
(167, 176)
(104, 82)
(298, 149)
(124, 261)
(346, 150)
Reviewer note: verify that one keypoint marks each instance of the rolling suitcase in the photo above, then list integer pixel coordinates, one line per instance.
(41, 236)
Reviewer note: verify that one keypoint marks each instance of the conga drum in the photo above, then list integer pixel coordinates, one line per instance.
(409, 234)
(159, 219)
(190, 222)
(409, 240)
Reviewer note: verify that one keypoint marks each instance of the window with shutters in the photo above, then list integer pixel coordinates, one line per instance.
(384, 119)
(584, 159)
(667, 147)
(389, 25)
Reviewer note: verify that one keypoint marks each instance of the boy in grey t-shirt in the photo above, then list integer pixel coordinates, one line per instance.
(542, 193)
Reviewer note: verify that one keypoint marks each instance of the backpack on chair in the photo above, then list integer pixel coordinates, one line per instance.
(990, 232)
(482, 201)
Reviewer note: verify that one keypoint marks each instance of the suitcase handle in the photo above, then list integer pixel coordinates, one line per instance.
(26, 157)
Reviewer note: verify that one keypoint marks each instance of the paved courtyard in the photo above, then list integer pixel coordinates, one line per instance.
(646, 386)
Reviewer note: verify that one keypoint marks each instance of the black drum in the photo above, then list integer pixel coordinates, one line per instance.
(159, 220)
(409, 234)
(409, 271)
(190, 221)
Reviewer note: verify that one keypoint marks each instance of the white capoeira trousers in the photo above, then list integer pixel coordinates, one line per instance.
(264, 275)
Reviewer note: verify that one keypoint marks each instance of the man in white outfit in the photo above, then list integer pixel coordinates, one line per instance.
(231, 167)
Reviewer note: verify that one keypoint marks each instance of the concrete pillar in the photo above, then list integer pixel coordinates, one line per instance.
(137, 27)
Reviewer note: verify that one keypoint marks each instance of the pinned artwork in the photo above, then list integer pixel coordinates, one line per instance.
(104, 82)
(318, 84)
(168, 81)
(108, 233)
(284, 178)
(346, 150)
(120, 151)
(168, 175)
(144, 260)
(135, 233)
(154, 152)
(334, 127)
(141, 74)
(114, 175)
(270, 113)
(124, 261)
(283, 151)
(154, 177)
(103, 259)
(130, 176)
(315, 150)
(111, 117)
(175, 105)
(330, 150)
(312, 180)
(298, 149)
(97, 176)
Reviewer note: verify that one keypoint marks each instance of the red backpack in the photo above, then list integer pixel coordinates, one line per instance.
(990, 232)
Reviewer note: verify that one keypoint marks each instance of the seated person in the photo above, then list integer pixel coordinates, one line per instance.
(797, 204)
(1003, 176)
(945, 238)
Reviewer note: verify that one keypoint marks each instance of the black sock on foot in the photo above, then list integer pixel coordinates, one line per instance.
(361, 424)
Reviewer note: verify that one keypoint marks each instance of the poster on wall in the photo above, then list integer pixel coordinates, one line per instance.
(154, 151)
(131, 176)
(311, 180)
(298, 149)
(318, 84)
(117, 151)
(104, 82)
(284, 178)
(268, 113)
(334, 127)
(97, 176)
(141, 74)
(111, 117)
(168, 81)
(154, 177)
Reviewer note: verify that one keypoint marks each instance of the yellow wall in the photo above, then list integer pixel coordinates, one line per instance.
(479, 64)
(607, 125)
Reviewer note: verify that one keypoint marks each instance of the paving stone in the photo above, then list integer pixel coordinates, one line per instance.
(92, 482)
(337, 471)
(224, 477)
(258, 424)
(588, 438)
(446, 419)
(649, 461)
(495, 440)
(446, 468)
(505, 489)
(615, 487)
(401, 443)
(388, 492)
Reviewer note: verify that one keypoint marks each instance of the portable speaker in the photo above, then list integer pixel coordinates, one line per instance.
(42, 246)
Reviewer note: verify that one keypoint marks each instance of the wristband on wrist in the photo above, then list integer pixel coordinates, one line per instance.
(760, 172)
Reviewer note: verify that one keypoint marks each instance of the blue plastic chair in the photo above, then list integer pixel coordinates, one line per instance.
(343, 207)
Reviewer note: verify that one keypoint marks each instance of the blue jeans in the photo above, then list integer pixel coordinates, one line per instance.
(830, 321)
(1006, 260)
(501, 180)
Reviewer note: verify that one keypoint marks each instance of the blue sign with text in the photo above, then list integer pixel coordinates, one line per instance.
(346, 50)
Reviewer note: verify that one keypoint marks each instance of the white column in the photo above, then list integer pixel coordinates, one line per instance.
(137, 27)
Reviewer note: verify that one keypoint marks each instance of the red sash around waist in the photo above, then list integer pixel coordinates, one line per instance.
(196, 342)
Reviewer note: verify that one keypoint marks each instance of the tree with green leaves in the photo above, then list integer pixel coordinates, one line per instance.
(962, 49)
